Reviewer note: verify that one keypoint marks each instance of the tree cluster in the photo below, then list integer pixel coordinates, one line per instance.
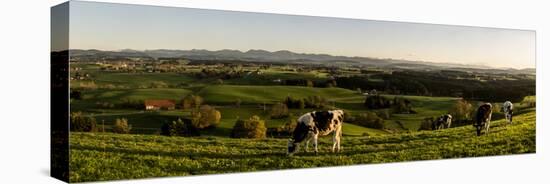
(250, 128)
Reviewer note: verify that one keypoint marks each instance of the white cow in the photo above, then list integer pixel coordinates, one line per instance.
(314, 124)
(443, 121)
(483, 118)
(508, 109)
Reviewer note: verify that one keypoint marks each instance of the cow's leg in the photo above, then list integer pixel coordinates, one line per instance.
(339, 137)
(308, 138)
(315, 139)
(336, 139)
(307, 145)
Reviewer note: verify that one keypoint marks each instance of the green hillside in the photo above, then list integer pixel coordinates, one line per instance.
(106, 156)
(91, 98)
(223, 94)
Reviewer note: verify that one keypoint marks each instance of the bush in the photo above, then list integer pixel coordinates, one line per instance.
(179, 128)
(278, 110)
(309, 83)
(294, 103)
(461, 110)
(377, 102)
(427, 124)
(121, 126)
(529, 101)
(158, 84)
(370, 120)
(301, 104)
(205, 117)
(192, 101)
(309, 102)
(315, 102)
(251, 128)
(285, 130)
(80, 123)
(402, 106)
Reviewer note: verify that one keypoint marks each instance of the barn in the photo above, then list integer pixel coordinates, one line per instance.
(160, 104)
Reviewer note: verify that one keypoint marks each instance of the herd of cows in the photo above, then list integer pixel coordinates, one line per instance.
(321, 123)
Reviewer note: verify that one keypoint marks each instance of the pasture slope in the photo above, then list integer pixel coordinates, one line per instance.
(106, 156)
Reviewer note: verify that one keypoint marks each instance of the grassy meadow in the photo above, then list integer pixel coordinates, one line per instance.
(107, 156)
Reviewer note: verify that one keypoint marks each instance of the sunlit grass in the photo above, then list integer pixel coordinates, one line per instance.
(106, 156)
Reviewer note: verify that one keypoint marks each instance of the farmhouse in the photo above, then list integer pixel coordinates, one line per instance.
(160, 104)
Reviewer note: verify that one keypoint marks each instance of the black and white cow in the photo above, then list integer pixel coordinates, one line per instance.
(483, 118)
(442, 122)
(314, 124)
(508, 109)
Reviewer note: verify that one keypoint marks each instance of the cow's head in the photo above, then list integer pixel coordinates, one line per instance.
(478, 126)
(449, 117)
(292, 147)
(448, 120)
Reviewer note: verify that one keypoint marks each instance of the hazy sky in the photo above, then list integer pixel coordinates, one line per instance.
(115, 26)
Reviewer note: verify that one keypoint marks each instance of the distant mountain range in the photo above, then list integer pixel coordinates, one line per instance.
(278, 56)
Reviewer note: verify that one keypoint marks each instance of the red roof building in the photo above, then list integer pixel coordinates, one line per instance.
(160, 104)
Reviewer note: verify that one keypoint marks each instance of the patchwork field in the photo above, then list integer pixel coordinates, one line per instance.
(107, 96)
(252, 98)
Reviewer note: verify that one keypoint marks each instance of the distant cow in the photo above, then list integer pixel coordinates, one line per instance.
(314, 124)
(443, 122)
(508, 109)
(483, 118)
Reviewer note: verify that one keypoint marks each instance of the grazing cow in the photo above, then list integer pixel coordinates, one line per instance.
(483, 118)
(443, 122)
(508, 109)
(314, 124)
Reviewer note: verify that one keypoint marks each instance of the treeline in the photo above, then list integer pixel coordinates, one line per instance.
(441, 84)
(279, 110)
(397, 104)
(230, 73)
(80, 123)
(310, 83)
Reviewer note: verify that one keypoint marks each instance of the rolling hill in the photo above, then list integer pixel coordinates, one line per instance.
(106, 156)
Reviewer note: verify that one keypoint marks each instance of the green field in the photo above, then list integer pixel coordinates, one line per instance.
(90, 98)
(223, 98)
(425, 107)
(109, 89)
(106, 156)
(109, 95)
(226, 94)
(149, 122)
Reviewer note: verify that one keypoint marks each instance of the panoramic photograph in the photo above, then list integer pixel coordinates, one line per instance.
(164, 91)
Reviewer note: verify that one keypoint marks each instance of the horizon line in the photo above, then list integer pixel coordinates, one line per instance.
(272, 51)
